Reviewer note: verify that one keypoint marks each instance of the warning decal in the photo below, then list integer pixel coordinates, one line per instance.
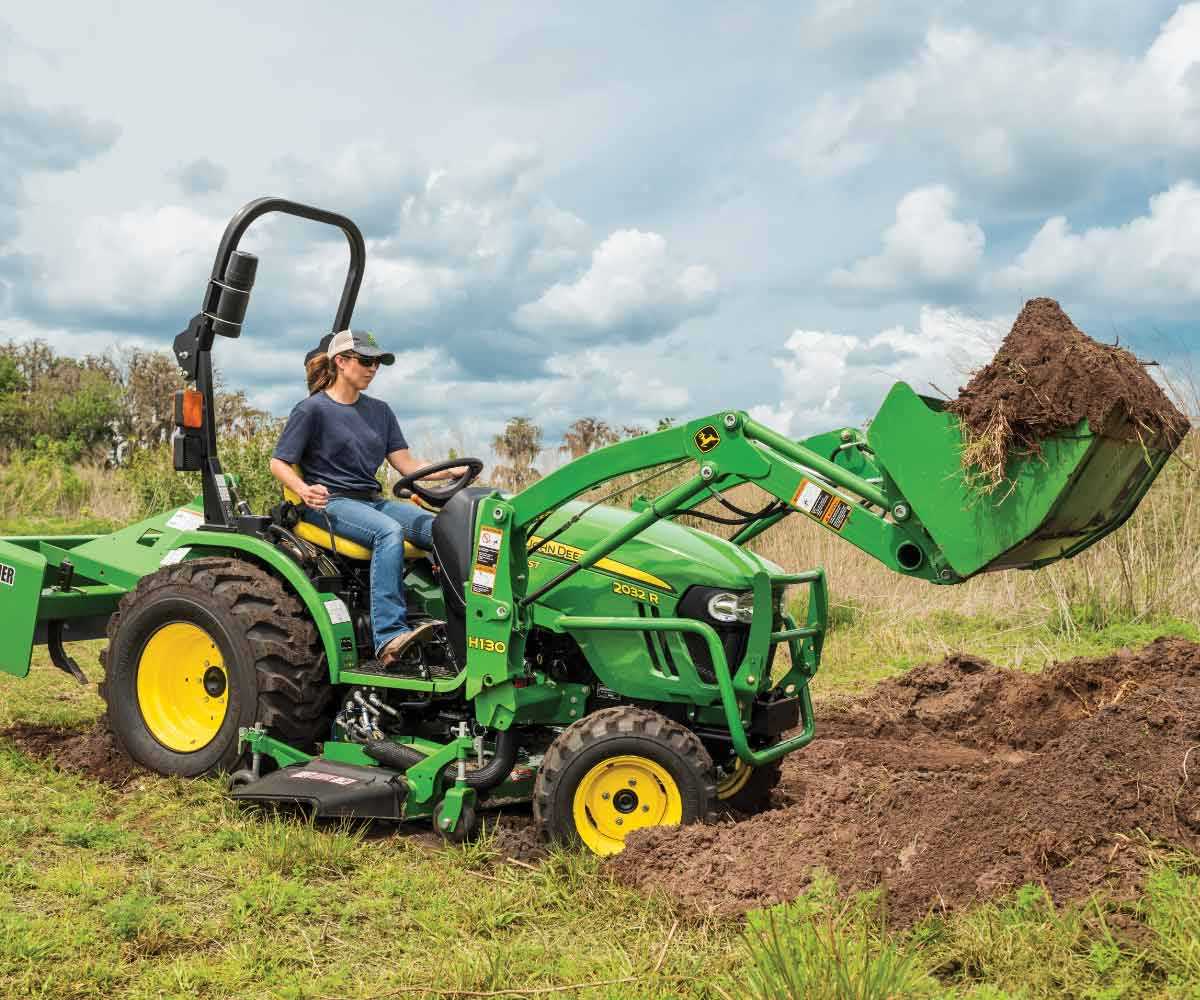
(174, 556)
(185, 520)
(490, 540)
(483, 577)
(483, 581)
(821, 504)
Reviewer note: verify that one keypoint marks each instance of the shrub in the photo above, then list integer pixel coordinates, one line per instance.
(155, 485)
(42, 480)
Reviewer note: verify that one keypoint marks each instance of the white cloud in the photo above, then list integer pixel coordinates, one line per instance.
(925, 246)
(832, 380)
(130, 263)
(1152, 258)
(632, 282)
(1010, 114)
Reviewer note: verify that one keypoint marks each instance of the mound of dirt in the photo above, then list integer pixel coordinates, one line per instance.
(960, 781)
(1047, 376)
(91, 753)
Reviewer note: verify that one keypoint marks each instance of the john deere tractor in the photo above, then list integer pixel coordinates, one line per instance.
(614, 667)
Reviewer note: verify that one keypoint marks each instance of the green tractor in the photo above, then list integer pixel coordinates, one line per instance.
(612, 666)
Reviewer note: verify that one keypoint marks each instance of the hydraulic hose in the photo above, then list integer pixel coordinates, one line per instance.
(402, 757)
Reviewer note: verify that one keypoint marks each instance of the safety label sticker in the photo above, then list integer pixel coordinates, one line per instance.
(329, 779)
(483, 581)
(185, 520)
(339, 614)
(7, 574)
(821, 504)
(490, 540)
(174, 556)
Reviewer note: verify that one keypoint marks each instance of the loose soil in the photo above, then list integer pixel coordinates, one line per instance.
(952, 784)
(1047, 376)
(91, 753)
(959, 782)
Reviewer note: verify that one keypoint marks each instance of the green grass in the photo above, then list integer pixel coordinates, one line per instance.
(56, 526)
(166, 889)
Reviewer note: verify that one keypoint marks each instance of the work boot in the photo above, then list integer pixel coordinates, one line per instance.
(395, 649)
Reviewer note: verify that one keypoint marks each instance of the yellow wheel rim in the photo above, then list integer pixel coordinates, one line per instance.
(623, 794)
(182, 687)
(735, 780)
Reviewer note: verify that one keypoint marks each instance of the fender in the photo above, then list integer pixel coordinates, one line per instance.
(327, 611)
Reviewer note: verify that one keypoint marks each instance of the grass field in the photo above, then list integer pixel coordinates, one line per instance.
(164, 889)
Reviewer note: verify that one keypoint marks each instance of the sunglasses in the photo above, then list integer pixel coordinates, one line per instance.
(365, 362)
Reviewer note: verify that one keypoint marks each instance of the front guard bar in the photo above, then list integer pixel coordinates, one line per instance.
(752, 677)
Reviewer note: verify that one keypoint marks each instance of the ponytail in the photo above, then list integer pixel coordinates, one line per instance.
(320, 372)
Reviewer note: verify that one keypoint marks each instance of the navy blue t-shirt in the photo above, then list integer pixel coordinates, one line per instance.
(340, 445)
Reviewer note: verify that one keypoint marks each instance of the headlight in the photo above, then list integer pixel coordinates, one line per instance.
(731, 609)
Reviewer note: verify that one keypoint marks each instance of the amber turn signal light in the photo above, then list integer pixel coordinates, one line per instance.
(189, 408)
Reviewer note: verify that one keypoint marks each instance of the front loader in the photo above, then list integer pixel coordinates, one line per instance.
(614, 667)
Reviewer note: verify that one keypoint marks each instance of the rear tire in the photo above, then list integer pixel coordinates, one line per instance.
(618, 770)
(200, 649)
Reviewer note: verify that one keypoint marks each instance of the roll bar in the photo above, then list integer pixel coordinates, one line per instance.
(224, 306)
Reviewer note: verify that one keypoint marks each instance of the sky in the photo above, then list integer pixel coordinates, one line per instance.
(626, 211)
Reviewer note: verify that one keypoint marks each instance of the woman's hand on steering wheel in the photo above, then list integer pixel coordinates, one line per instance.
(466, 471)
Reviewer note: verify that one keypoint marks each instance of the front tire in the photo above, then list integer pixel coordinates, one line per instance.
(746, 789)
(619, 770)
(197, 651)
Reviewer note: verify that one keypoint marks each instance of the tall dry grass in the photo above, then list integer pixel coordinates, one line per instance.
(1148, 569)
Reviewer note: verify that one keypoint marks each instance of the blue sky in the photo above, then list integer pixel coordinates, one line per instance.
(626, 211)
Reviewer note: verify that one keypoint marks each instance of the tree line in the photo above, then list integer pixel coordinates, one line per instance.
(520, 444)
(99, 409)
(103, 409)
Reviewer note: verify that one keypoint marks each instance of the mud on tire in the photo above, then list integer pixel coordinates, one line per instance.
(274, 664)
(621, 733)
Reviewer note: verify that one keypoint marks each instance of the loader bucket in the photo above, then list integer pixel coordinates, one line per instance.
(1081, 487)
(21, 573)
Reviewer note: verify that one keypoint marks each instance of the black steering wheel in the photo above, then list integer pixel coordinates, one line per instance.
(437, 496)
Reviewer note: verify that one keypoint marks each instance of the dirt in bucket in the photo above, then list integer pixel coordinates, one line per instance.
(959, 782)
(1047, 376)
(90, 752)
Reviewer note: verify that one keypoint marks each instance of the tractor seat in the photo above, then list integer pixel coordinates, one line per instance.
(453, 545)
(319, 535)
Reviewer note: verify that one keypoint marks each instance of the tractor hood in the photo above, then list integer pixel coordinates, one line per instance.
(666, 551)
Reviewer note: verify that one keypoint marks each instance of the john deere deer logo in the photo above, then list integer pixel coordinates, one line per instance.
(707, 438)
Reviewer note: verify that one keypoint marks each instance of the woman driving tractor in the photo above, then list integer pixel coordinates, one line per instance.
(338, 437)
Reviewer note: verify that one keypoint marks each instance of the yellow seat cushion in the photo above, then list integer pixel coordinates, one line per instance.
(320, 536)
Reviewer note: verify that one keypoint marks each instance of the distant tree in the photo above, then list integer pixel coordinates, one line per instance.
(633, 431)
(148, 380)
(665, 423)
(236, 418)
(46, 398)
(11, 379)
(585, 435)
(519, 446)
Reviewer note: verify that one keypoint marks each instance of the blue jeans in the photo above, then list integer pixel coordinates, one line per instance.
(382, 526)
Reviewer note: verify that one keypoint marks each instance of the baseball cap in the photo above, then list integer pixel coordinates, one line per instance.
(360, 342)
